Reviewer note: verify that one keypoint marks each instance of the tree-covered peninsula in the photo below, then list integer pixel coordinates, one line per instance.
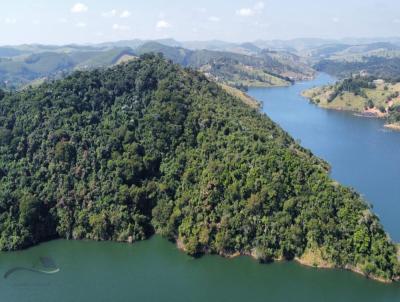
(148, 147)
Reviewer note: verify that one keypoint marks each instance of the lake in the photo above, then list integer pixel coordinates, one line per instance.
(362, 155)
(154, 270)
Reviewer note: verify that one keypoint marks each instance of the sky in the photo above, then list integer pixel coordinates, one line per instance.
(93, 21)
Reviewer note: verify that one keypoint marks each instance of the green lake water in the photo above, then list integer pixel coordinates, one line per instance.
(155, 270)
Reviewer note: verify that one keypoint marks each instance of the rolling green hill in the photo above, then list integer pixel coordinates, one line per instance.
(379, 59)
(22, 70)
(148, 147)
(266, 69)
(380, 67)
(246, 65)
(8, 52)
(365, 95)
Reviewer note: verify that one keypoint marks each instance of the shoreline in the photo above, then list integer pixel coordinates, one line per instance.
(308, 259)
(395, 127)
(364, 114)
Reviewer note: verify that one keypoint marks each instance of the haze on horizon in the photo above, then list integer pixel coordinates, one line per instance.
(92, 21)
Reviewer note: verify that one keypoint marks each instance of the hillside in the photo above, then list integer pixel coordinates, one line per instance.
(289, 65)
(380, 67)
(27, 69)
(265, 69)
(348, 57)
(243, 66)
(365, 95)
(245, 98)
(145, 147)
(352, 52)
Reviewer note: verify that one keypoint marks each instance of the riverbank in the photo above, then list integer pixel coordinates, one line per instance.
(376, 97)
(310, 258)
(351, 103)
(394, 126)
(355, 104)
(136, 270)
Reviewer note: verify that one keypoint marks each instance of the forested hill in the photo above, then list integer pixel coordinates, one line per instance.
(387, 68)
(268, 68)
(145, 147)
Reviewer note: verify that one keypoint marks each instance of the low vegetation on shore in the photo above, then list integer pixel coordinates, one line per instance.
(367, 96)
(248, 100)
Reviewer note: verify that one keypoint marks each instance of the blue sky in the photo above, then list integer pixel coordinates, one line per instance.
(91, 21)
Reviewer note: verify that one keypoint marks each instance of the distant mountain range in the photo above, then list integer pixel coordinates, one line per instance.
(258, 63)
(244, 65)
(293, 45)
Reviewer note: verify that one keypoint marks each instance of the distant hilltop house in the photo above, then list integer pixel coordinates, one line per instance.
(379, 82)
(362, 73)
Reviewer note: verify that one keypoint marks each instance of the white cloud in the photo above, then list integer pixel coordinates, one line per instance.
(120, 27)
(335, 20)
(162, 24)
(109, 14)
(397, 21)
(214, 19)
(10, 20)
(62, 20)
(79, 8)
(81, 24)
(245, 12)
(248, 12)
(125, 14)
(36, 22)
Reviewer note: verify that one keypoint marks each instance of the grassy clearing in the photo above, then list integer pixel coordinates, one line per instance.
(242, 75)
(314, 257)
(241, 95)
(375, 101)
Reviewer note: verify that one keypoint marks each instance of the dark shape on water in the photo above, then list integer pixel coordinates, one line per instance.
(47, 263)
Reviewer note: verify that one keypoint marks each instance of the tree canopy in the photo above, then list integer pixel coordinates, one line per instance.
(145, 147)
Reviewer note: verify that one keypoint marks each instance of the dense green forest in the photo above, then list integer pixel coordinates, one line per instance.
(148, 147)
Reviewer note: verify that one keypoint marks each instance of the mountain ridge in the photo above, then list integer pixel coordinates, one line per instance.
(148, 147)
